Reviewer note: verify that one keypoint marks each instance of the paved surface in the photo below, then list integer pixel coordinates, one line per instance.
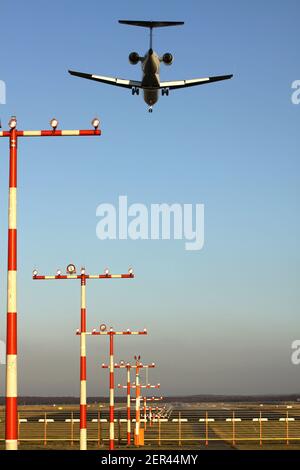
(189, 434)
(192, 415)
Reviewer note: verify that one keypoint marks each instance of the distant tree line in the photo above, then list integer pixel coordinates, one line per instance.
(170, 399)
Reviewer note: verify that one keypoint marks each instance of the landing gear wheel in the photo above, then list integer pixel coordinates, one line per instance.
(165, 91)
(150, 109)
(135, 91)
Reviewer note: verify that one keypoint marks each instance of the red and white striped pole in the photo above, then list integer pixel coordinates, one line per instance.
(111, 333)
(11, 402)
(137, 401)
(137, 366)
(145, 413)
(138, 388)
(128, 387)
(71, 274)
(111, 393)
(128, 406)
(11, 423)
(83, 394)
(111, 390)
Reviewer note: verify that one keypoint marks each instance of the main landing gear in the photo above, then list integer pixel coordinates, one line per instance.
(165, 91)
(135, 91)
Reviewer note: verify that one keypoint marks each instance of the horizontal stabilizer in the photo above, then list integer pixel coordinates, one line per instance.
(152, 24)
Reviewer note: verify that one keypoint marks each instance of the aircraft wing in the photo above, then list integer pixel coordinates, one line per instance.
(108, 80)
(193, 82)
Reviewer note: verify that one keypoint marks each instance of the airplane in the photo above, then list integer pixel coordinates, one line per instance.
(150, 63)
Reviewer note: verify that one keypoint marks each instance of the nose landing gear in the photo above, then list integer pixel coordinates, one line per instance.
(150, 109)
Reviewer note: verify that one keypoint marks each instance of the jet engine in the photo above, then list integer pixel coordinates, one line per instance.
(134, 58)
(167, 58)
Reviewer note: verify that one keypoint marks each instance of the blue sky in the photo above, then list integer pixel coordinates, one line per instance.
(220, 320)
